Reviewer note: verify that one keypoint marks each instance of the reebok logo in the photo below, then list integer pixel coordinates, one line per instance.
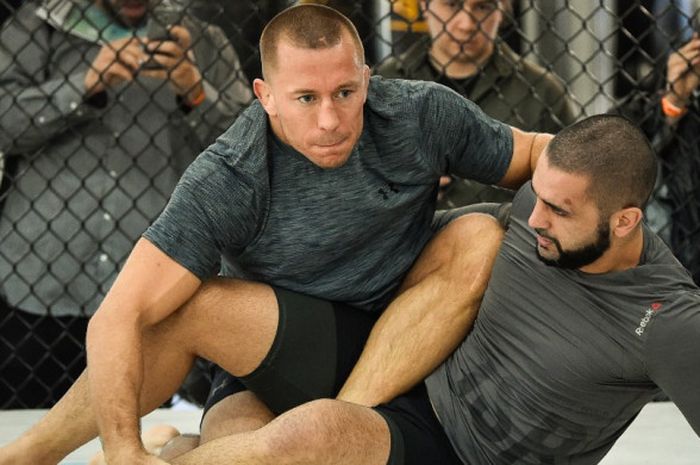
(653, 308)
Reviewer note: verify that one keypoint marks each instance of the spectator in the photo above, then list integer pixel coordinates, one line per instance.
(670, 117)
(464, 53)
(100, 142)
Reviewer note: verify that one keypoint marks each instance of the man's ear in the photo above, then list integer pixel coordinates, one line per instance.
(366, 74)
(625, 221)
(264, 94)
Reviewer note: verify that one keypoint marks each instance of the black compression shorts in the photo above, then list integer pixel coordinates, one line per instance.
(417, 438)
(316, 347)
(306, 361)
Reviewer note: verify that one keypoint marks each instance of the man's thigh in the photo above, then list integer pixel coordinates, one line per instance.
(316, 347)
(417, 437)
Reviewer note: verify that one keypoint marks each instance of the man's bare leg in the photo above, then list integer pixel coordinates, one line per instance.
(433, 312)
(321, 432)
(239, 413)
(235, 414)
(230, 322)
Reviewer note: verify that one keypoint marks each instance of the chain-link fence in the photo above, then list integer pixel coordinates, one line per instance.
(96, 127)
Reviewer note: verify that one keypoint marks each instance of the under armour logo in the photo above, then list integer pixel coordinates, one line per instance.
(386, 189)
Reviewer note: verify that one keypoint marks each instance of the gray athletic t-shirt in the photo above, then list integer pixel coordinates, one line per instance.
(347, 234)
(560, 362)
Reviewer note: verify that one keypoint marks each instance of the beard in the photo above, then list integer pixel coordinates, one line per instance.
(582, 256)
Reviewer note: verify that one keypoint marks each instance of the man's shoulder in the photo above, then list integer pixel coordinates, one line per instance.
(243, 146)
(403, 95)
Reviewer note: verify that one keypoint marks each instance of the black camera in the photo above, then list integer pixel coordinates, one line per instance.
(158, 29)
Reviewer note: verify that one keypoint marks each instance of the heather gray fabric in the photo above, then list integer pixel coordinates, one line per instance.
(347, 234)
(560, 362)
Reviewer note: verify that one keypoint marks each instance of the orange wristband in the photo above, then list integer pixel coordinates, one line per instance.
(671, 110)
(198, 99)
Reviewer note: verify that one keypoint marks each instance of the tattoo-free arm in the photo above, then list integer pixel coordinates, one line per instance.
(150, 287)
(527, 147)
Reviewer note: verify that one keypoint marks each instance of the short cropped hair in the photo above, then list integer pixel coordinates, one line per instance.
(616, 156)
(308, 26)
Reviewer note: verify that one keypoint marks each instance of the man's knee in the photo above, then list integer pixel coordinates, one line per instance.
(178, 446)
(473, 229)
(328, 431)
(464, 243)
(308, 431)
(237, 413)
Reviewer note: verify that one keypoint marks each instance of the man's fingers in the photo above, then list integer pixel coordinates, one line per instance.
(181, 35)
(116, 72)
(166, 62)
(165, 47)
(131, 58)
(155, 73)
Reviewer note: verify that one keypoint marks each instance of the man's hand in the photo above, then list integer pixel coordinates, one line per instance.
(177, 64)
(153, 442)
(116, 62)
(127, 457)
(683, 74)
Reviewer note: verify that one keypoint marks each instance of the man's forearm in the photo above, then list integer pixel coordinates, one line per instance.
(115, 374)
(431, 316)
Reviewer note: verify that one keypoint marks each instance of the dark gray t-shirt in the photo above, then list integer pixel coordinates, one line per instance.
(347, 234)
(560, 362)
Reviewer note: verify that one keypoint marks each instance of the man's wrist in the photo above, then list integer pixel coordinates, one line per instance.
(195, 96)
(672, 106)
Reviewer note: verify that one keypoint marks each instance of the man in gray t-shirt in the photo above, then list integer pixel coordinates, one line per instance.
(320, 201)
(587, 317)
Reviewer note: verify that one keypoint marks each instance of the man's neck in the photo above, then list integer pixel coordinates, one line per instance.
(623, 254)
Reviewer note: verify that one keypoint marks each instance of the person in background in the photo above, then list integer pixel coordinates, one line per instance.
(465, 53)
(101, 120)
(670, 117)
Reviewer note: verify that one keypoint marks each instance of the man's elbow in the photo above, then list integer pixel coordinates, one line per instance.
(109, 322)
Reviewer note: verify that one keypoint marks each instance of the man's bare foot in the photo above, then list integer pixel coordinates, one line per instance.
(153, 440)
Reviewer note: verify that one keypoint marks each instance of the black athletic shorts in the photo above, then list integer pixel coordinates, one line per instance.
(316, 347)
(417, 438)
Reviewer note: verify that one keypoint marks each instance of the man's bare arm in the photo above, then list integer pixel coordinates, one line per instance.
(527, 147)
(149, 288)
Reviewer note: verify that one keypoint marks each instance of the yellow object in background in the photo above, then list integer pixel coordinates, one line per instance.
(410, 17)
(406, 8)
